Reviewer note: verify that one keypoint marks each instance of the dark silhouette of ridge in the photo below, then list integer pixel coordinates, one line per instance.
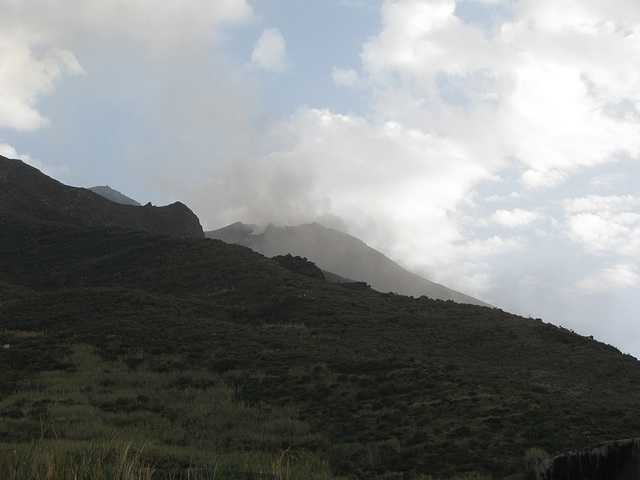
(300, 265)
(26, 191)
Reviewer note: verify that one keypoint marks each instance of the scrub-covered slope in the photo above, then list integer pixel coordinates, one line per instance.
(216, 354)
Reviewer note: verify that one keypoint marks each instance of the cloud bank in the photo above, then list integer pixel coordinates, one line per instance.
(164, 61)
(451, 105)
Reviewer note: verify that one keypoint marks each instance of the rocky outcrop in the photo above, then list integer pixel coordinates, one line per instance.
(25, 190)
(619, 460)
(300, 265)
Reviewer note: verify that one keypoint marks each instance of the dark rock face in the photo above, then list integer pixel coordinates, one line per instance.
(25, 190)
(300, 265)
(619, 460)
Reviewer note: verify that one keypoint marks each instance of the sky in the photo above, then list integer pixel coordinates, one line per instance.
(492, 146)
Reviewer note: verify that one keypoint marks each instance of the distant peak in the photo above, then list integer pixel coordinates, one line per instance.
(115, 196)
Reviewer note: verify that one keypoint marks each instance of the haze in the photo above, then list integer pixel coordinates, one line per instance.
(489, 145)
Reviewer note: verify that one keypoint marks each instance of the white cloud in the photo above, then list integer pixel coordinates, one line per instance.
(601, 203)
(421, 39)
(608, 279)
(163, 63)
(556, 111)
(39, 39)
(515, 218)
(270, 52)
(452, 106)
(503, 198)
(495, 245)
(8, 151)
(162, 27)
(609, 181)
(347, 77)
(24, 76)
(365, 172)
(605, 224)
(546, 81)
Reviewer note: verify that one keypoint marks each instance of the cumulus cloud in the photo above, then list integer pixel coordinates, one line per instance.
(270, 52)
(605, 224)
(452, 105)
(546, 80)
(347, 77)
(515, 218)
(165, 62)
(25, 75)
(619, 277)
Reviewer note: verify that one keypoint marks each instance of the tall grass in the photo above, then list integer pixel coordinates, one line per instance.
(56, 460)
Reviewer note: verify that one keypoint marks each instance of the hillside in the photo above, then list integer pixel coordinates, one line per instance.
(214, 355)
(340, 254)
(26, 190)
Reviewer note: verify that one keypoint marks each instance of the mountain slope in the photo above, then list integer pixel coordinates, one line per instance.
(26, 190)
(338, 253)
(223, 352)
(217, 357)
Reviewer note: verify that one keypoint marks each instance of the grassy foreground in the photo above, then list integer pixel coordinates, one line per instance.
(183, 424)
(116, 459)
(57, 460)
(54, 461)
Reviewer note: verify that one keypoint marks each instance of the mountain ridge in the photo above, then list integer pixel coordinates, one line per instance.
(339, 253)
(222, 359)
(26, 190)
(378, 385)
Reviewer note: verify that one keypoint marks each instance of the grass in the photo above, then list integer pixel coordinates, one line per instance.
(115, 459)
(190, 414)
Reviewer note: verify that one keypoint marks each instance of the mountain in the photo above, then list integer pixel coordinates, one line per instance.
(215, 361)
(115, 196)
(214, 356)
(339, 253)
(27, 191)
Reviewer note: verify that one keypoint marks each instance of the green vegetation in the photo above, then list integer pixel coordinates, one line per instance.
(114, 460)
(214, 361)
